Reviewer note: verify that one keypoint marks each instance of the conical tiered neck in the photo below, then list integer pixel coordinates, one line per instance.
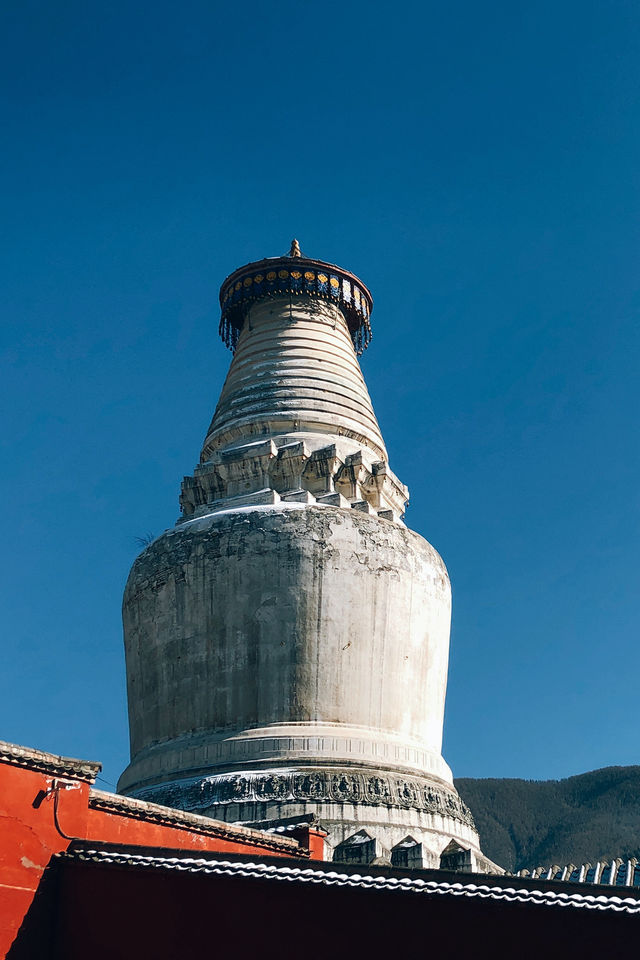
(294, 420)
(295, 371)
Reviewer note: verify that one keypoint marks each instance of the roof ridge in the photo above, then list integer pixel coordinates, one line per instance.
(13, 753)
(314, 874)
(143, 810)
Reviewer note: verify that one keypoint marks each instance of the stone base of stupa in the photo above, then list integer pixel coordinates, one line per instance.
(369, 815)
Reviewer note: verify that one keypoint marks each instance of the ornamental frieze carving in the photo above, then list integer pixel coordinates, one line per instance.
(309, 786)
(345, 788)
(271, 787)
(312, 786)
(432, 799)
(378, 790)
(407, 793)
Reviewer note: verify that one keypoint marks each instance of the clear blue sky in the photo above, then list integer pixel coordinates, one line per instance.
(478, 165)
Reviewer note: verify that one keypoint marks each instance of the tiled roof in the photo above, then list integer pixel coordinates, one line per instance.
(167, 816)
(338, 878)
(49, 762)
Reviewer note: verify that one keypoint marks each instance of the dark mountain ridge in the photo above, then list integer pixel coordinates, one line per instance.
(531, 823)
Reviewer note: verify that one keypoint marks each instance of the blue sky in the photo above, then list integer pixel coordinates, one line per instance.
(478, 166)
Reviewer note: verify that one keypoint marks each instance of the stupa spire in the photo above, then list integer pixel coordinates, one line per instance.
(294, 380)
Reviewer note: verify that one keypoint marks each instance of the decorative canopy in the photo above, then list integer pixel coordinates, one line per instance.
(291, 276)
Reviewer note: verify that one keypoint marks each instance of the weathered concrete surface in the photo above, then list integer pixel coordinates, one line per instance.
(310, 616)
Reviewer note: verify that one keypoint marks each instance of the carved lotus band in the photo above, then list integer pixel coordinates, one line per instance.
(315, 786)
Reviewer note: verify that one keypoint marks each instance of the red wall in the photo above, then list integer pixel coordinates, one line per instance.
(40, 814)
(28, 839)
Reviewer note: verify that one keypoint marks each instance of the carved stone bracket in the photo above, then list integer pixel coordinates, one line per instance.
(292, 472)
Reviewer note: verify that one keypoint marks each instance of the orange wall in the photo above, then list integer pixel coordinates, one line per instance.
(108, 827)
(37, 821)
(28, 839)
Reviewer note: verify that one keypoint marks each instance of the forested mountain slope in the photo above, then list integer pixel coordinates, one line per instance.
(530, 823)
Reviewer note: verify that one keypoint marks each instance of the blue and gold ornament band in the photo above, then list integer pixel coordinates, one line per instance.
(295, 277)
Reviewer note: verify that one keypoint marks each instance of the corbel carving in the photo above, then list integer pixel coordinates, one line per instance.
(352, 477)
(320, 471)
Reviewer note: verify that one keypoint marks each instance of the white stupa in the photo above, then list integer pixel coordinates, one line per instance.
(287, 641)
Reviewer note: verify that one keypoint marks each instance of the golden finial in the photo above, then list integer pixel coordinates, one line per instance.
(295, 249)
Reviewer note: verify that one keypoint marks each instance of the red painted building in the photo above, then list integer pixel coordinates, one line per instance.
(84, 873)
(48, 803)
